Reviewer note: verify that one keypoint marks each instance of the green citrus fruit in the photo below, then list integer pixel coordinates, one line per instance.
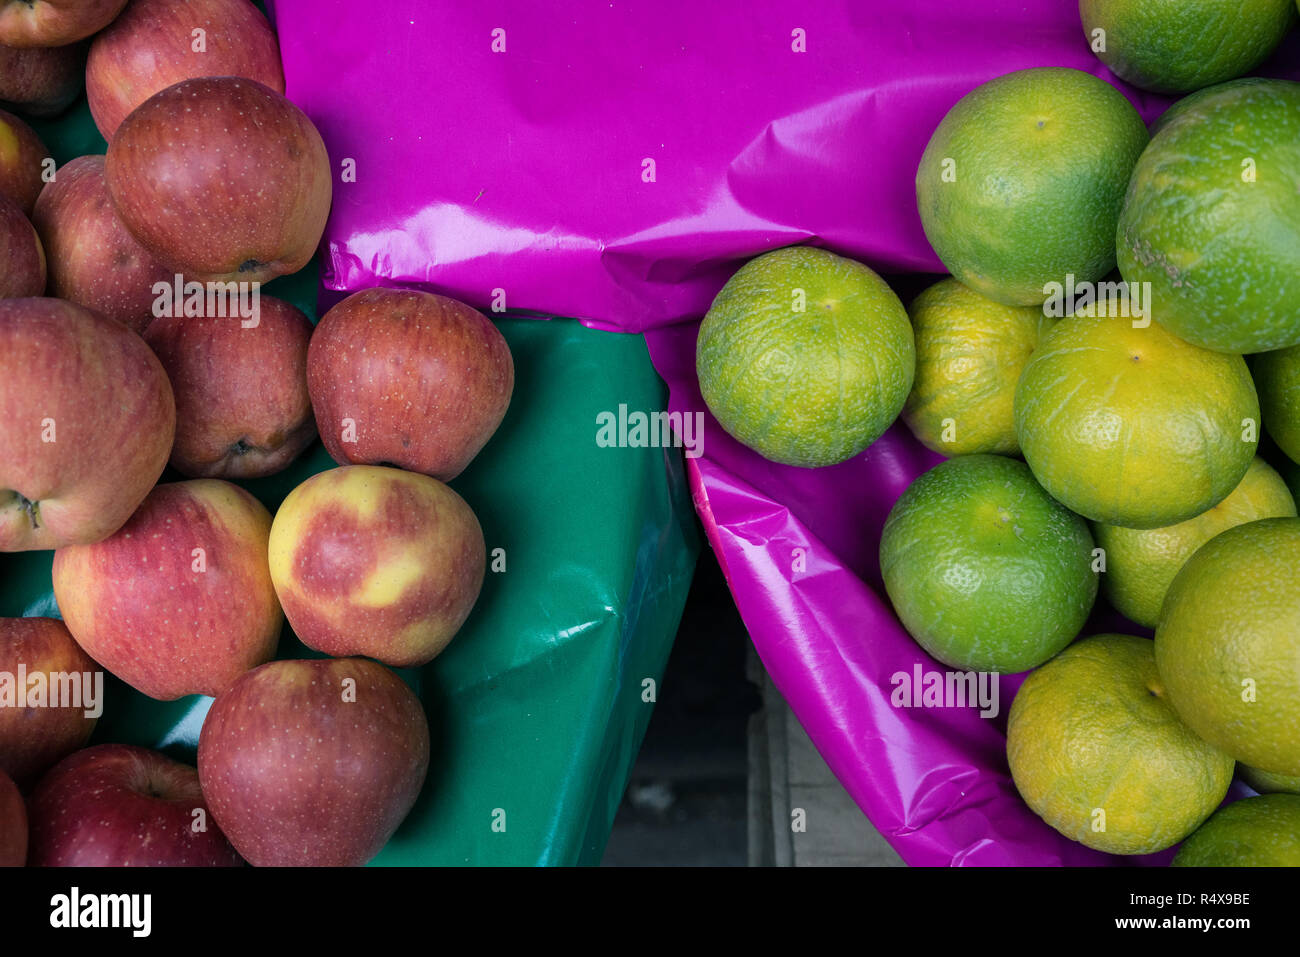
(1132, 426)
(805, 357)
(1259, 831)
(1291, 473)
(969, 353)
(1228, 643)
(1097, 752)
(1265, 782)
(1140, 564)
(1175, 46)
(1022, 181)
(984, 569)
(1192, 100)
(1277, 377)
(1211, 219)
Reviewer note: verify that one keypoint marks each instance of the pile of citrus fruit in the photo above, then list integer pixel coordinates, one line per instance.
(1120, 333)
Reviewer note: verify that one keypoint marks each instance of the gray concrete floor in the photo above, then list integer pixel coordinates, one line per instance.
(799, 813)
(725, 762)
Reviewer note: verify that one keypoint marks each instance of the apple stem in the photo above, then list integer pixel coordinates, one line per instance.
(33, 510)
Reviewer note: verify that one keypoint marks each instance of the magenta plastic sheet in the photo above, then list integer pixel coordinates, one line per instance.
(525, 170)
(500, 153)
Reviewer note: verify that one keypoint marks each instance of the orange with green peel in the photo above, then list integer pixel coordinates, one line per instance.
(1141, 563)
(1192, 100)
(1265, 782)
(1277, 377)
(1132, 426)
(1291, 473)
(984, 569)
(1021, 183)
(1097, 752)
(806, 357)
(1253, 832)
(1176, 46)
(1228, 643)
(1211, 218)
(969, 353)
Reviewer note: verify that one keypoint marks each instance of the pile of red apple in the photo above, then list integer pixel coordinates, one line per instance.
(182, 588)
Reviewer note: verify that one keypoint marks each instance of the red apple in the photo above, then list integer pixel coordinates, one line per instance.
(94, 261)
(41, 81)
(221, 178)
(22, 162)
(180, 600)
(242, 408)
(377, 562)
(116, 805)
(22, 259)
(153, 44)
(51, 695)
(313, 763)
(13, 824)
(409, 379)
(86, 424)
(54, 23)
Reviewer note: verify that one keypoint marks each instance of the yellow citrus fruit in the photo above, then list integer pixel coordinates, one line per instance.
(1175, 46)
(1021, 183)
(969, 353)
(1097, 752)
(1265, 782)
(1253, 832)
(1140, 563)
(1228, 643)
(806, 357)
(1133, 426)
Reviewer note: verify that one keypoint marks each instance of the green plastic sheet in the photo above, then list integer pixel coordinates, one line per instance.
(539, 705)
